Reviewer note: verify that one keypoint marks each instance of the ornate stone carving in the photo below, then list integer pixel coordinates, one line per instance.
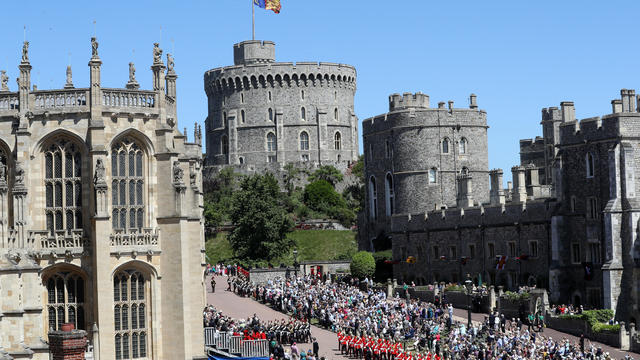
(193, 176)
(25, 52)
(132, 73)
(178, 174)
(94, 47)
(170, 63)
(99, 175)
(157, 54)
(19, 175)
(4, 80)
(3, 174)
(69, 83)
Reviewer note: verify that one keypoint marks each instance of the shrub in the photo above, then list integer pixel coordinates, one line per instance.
(605, 328)
(321, 196)
(363, 265)
(597, 319)
(514, 296)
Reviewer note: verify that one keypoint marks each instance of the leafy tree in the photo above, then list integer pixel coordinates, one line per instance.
(260, 219)
(217, 200)
(321, 196)
(363, 265)
(358, 169)
(328, 173)
(291, 175)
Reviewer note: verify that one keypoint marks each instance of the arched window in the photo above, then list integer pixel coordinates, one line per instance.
(272, 145)
(242, 117)
(462, 146)
(65, 300)
(63, 186)
(224, 119)
(388, 192)
(131, 315)
(433, 176)
(387, 149)
(304, 141)
(270, 113)
(335, 114)
(337, 141)
(590, 165)
(373, 198)
(224, 145)
(445, 146)
(127, 171)
(303, 113)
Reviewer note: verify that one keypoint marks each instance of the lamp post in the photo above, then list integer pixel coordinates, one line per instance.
(295, 262)
(469, 285)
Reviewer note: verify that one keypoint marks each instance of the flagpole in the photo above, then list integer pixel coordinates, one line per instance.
(253, 21)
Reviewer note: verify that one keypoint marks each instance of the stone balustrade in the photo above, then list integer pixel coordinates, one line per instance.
(124, 98)
(135, 238)
(59, 99)
(46, 242)
(9, 101)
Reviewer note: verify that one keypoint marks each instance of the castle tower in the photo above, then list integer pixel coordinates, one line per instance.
(264, 113)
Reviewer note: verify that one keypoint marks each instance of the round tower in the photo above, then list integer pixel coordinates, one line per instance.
(415, 156)
(264, 113)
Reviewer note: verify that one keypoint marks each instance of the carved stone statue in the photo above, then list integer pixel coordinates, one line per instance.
(3, 174)
(99, 176)
(19, 176)
(25, 52)
(94, 47)
(69, 83)
(193, 176)
(170, 63)
(132, 73)
(157, 54)
(178, 174)
(4, 79)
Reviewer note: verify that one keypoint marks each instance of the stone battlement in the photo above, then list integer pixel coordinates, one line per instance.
(254, 51)
(408, 100)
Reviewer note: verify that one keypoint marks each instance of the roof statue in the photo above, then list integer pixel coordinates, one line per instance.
(4, 80)
(94, 47)
(157, 54)
(170, 63)
(69, 83)
(25, 52)
(132, 72)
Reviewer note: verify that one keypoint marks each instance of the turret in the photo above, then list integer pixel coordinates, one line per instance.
(408, 100)
(254, 51)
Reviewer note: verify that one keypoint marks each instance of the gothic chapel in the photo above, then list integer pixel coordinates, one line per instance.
(89, 233)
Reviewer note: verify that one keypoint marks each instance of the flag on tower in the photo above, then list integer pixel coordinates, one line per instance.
(273, 5)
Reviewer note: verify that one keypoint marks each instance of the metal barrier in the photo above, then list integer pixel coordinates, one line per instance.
(226, 341)
(235, 345)
(255, 348)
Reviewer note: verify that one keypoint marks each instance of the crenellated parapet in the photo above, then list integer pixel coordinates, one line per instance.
(408, 100)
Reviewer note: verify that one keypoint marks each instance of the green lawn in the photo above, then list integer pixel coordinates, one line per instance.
(312, 245)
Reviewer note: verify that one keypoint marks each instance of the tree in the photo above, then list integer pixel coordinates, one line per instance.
(358, 169)
(321, 196)
(260, 220)
(291, 175)
(328, 173)
(217, 201)
(363, 265)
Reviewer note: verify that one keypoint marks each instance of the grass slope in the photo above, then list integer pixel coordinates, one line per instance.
(312, 245)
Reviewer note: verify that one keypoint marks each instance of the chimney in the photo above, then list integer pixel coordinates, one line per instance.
(465, 191)
(533, 188)
(68, 343)
(473, 104)
(441, 105)
(450, 105)
(624, 95)
(519, 186)
(497, 192)
(568, 111)
(631, 94)
(616, 106)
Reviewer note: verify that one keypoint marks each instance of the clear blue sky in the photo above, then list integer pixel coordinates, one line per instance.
(517, 56)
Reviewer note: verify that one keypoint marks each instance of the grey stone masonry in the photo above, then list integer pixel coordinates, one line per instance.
(263, 112)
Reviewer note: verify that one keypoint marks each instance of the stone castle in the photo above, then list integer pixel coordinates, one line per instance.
(264, 114)
(89, 233)
(568, 222)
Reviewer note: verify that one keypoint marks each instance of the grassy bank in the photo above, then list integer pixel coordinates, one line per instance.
(311, 244)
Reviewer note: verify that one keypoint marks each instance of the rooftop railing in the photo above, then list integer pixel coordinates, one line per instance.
(58, 99)
(123, 98)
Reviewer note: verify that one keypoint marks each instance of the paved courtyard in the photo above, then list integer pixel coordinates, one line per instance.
(240, 307)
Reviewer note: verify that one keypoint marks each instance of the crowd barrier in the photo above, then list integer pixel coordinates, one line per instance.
(227, 342)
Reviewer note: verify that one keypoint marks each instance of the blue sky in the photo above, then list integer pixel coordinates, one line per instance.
(517, 56)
